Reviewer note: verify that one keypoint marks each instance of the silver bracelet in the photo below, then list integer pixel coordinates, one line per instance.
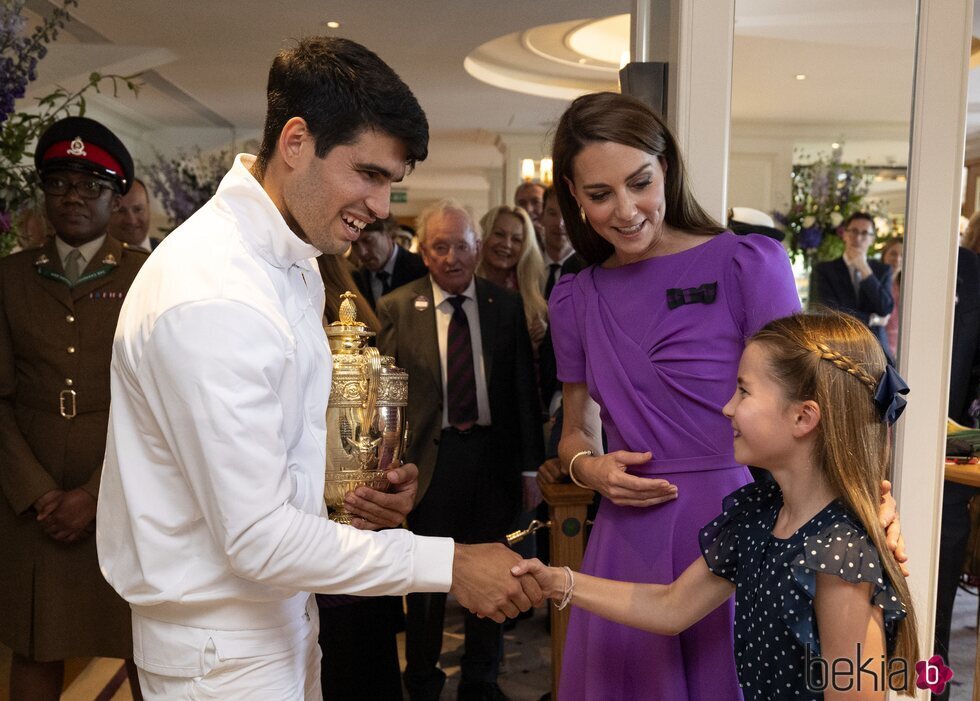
(566, 596)
(571, 464)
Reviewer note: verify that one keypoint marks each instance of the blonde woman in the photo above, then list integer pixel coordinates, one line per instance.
(510, 257)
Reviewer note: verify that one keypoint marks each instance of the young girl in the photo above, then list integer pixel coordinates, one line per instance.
(817, 590)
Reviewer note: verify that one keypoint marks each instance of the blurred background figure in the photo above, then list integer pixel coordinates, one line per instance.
(130, 222)
(384, 266)
(530, 198)
(891, 255)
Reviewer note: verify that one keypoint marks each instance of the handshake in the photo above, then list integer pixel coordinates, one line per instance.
(493, 581)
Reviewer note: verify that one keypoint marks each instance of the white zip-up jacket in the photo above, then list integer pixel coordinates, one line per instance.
(211, 507)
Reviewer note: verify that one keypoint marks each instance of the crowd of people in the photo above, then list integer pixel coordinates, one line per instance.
(661, 353)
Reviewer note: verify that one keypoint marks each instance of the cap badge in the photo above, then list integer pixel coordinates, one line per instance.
(77, 147)
(109, 260)
(41, 260)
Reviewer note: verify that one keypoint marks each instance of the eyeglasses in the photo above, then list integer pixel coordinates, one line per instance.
(87, 188)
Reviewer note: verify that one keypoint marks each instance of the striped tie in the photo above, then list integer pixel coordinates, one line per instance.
(460, 375)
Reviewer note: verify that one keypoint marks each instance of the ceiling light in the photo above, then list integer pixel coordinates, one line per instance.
(835, 146)
(333, 24)
(582, 60)
(801, 76)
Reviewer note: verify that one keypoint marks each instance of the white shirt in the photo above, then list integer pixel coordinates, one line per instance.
(211, 508)
(444, 312)
(548, 262)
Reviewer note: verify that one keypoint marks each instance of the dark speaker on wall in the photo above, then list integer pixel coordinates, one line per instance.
(646, 82)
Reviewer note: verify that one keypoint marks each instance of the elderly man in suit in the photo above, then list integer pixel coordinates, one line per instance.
(475, 421)
(58, 310)
(853, 283)
(384, 266)
(130, 223)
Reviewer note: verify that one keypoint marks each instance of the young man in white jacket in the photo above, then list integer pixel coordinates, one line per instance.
(211, 520)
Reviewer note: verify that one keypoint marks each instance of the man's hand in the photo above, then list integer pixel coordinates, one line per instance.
(484, 584)
(374, 510)
(72, 519)
(888, 516)
(550, 472)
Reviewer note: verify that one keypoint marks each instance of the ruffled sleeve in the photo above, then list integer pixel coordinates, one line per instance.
(742, 511)
(763, 283)
(844, 550)
(565, 333)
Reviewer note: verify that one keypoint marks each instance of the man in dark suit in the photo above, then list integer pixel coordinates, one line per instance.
(964, 371)
(384, 266)
(475, 426)
(130, 222)
(58, 310)
(854, 284)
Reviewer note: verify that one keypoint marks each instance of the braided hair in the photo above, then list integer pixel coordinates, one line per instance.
(834, 360)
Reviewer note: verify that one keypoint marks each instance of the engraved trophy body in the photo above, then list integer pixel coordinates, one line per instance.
(366, 426)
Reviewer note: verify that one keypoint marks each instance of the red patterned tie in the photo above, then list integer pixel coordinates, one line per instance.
(460, 375)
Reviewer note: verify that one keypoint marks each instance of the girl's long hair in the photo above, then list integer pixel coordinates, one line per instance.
(621, 119)
(833, 359)
(530, 264)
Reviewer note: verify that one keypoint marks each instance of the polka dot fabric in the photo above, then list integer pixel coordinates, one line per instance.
(775, 582)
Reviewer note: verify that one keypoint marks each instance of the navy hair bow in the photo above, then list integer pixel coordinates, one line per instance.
(888, 395)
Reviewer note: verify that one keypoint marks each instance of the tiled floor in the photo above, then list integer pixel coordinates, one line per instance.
(526, 672)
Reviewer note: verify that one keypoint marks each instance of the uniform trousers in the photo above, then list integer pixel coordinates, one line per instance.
(246, 665)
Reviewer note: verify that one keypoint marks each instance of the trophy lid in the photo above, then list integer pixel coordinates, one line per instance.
(348, 331)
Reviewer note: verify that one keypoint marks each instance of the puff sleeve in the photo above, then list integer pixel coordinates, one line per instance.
(565, 332)
(763, 280)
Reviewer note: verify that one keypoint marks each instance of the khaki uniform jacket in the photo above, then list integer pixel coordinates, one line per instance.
(55, 347)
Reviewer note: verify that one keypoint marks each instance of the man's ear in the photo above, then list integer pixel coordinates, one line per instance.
(807, 418)
(294, 140)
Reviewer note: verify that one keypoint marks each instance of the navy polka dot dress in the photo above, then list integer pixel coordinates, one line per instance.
(776, 580)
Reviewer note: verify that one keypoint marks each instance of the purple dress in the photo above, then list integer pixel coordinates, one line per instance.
(658, 343)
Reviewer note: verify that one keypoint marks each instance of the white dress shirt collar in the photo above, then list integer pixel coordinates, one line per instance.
(439, 295)
(267, 232)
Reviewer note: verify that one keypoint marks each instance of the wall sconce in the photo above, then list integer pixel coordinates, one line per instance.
(542, 171)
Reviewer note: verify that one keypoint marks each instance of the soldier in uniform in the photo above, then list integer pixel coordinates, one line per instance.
(58, 310)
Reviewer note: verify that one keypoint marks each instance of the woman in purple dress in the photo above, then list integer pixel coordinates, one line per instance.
(647, 341)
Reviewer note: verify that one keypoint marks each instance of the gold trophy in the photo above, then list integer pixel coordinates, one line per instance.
(366, 426)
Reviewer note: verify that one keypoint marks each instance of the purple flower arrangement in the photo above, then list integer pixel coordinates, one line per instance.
(825, 193)
(185, 183)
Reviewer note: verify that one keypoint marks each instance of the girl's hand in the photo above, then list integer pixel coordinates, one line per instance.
(550, 579)
(888, 516)
(607, 475)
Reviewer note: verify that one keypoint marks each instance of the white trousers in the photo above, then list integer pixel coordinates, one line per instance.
(273, 664)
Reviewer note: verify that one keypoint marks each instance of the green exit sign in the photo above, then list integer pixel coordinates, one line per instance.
(399, 196)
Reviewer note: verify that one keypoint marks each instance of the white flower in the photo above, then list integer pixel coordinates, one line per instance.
(809, 221)
(836, 218)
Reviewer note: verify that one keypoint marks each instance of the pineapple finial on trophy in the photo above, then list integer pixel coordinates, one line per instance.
(348, 311)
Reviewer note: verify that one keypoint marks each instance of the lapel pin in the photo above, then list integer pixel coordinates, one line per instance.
(109, 260)
(421, 303)
(41, 260)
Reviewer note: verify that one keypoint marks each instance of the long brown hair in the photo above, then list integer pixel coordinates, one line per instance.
(833, 359)
(338, 277)
(621, 119)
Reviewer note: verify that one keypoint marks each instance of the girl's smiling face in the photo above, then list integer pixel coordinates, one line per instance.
(762, 417)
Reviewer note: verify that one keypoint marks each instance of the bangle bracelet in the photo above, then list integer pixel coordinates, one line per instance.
(571, 464)
(566, 596)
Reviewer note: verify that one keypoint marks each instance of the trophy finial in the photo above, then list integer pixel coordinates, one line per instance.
(348, 312)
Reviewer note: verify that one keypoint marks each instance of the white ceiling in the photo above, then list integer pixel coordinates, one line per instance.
(206, 62)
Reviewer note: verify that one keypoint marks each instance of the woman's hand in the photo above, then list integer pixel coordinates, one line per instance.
(550, 472)
(550, 579)
(537, 330)
(888, 516)
(607, 475)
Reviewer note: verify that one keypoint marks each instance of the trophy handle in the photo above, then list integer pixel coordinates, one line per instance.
(372, 367)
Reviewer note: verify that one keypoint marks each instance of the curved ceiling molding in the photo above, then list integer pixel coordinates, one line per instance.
(541, 61)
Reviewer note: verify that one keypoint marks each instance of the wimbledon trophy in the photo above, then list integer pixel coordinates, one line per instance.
(366, 426)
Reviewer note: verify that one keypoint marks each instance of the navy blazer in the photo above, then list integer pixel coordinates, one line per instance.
(831, 285)
(408, 267)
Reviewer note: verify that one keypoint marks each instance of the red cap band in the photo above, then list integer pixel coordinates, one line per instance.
(78, 150)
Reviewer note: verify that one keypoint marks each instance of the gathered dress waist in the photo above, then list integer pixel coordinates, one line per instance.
(701, 463)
